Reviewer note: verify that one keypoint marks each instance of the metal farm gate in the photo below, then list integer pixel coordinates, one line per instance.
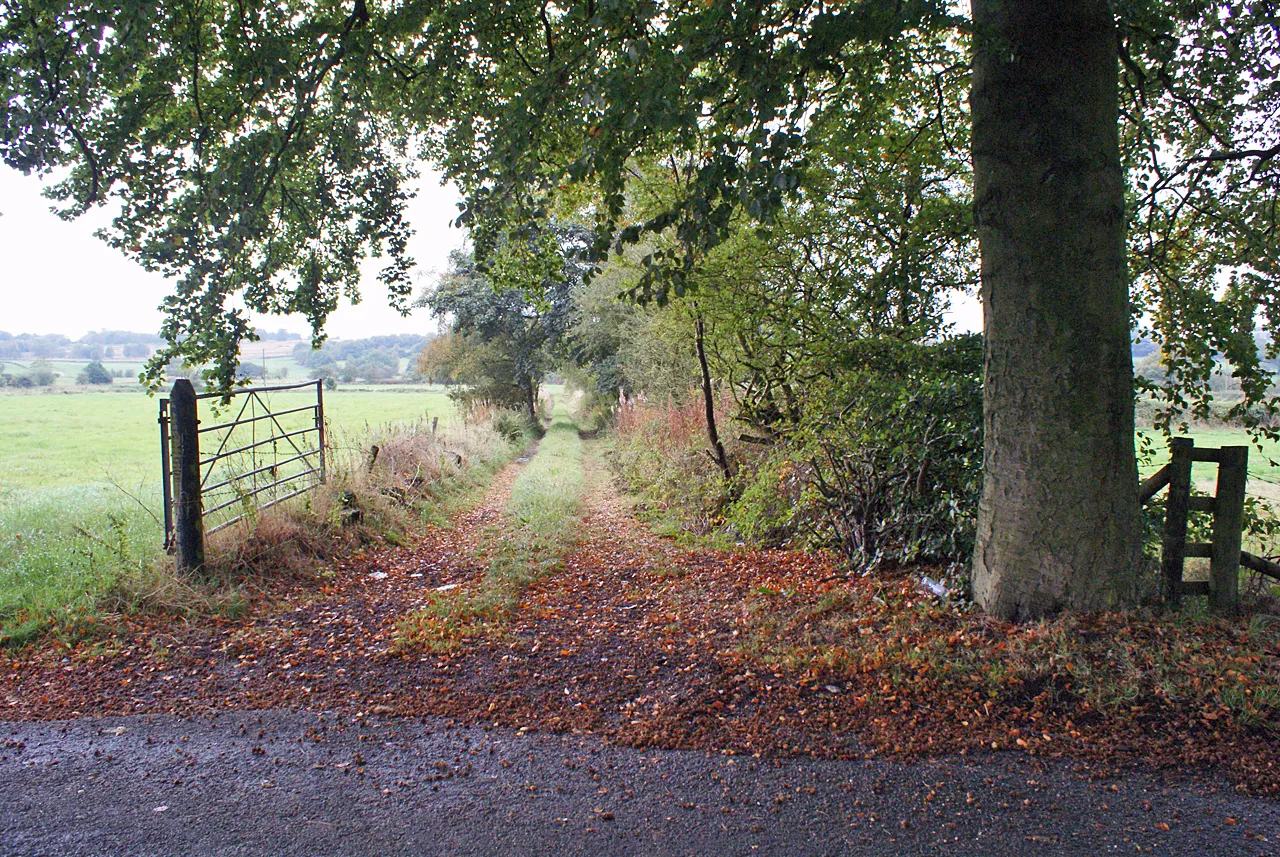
(215, 475)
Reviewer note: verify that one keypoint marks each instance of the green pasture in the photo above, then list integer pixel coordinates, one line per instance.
(1264, 459)
(54, 440)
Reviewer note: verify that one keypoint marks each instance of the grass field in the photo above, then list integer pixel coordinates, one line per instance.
(52, 440)
(69, 462)
(1264, 463)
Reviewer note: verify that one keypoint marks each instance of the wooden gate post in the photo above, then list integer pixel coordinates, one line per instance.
(1173, 549)
(1228, 525)
(188, 523)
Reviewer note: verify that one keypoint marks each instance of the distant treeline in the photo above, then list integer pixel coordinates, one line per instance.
(95, 345)
(375, 358)
(339, 350)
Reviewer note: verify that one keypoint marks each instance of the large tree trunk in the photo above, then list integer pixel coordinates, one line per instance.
(1058, 525)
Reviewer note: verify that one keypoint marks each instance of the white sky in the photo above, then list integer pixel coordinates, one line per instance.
(56, 277)
(965, 313)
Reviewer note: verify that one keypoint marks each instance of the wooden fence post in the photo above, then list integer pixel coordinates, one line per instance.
(1228, 524)
(1174, 544)
(188, 523)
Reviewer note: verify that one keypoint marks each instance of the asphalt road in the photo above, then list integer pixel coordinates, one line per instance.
(288, 783)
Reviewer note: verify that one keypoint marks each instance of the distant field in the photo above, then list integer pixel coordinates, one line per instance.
(57, 439)
(1264, 464)
(282, 369)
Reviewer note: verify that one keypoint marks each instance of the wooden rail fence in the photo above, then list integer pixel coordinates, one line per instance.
(1227, 505)
(282, 457)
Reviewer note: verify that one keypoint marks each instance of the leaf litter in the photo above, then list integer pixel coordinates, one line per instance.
(653, 645)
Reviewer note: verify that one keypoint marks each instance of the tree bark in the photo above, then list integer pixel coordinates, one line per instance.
(708, 397)
(531, 398)
(1058, 523)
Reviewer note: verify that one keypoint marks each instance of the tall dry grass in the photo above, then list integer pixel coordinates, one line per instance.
(662, 453)
(381, 484)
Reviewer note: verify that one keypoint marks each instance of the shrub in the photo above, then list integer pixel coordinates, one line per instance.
(41, 373)
(513, 426)
(881, 460)
(891, 448)
(250, 370)
(659, 450)
(94, 373)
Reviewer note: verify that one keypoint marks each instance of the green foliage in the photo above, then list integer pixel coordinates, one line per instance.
(1201, 136)
(94, 373)
(884, 460)
(504, 325)
(376, 365)
(437, 360)
(514, 426)
(772, 505)
(41, 373)
(238, 144)
(246, 370)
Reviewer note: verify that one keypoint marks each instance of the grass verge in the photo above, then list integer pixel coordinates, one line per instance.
(61, 551)
(538, 530)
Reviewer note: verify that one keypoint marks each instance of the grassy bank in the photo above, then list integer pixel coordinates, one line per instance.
(61, 550)
(539, 527)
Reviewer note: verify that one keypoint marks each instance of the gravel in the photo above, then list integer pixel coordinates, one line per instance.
(286, 783)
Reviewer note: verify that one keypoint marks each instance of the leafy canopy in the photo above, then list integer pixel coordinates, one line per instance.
(258, 152)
